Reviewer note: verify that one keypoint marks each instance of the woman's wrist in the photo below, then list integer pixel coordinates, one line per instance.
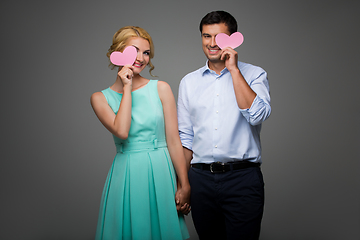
(127, 87)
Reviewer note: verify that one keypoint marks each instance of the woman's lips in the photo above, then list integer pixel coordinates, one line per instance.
(138, 65)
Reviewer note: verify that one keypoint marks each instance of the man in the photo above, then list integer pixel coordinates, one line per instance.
(220, 109)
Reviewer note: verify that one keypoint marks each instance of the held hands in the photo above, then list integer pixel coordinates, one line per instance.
(182, 200)
(126, 74)
(231, 58)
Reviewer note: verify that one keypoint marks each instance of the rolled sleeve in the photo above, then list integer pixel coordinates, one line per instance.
(260, 108)
(186, 132)
(258, 112)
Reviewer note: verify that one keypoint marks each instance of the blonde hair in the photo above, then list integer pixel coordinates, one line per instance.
(121, 38)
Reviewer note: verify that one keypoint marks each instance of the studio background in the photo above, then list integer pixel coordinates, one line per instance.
(55, 154)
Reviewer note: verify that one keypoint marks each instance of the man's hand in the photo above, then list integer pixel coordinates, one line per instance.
(231, 58)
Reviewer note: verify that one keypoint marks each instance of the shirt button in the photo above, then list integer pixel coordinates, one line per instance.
(215, 128)
(215, 146)
(217, 111)
(217, 94)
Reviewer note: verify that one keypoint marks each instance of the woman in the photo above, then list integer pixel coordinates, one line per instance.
(141, 198)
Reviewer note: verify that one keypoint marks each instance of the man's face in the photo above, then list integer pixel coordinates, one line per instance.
(209, 32)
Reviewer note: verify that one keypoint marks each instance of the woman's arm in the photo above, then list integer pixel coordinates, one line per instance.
(118, 124)
(174, 144)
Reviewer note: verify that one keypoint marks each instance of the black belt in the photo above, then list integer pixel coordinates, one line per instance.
(220, 167)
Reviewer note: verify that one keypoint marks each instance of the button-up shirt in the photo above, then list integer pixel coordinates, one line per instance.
(210, 122)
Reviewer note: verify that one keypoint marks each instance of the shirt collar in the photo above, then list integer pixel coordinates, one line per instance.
(206, 69)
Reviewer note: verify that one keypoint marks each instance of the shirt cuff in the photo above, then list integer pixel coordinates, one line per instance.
(254, 108)
(186, 141)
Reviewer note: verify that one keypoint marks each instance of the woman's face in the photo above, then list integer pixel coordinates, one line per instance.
(143, 53)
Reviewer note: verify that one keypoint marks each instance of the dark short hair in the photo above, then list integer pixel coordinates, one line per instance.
(217, 17)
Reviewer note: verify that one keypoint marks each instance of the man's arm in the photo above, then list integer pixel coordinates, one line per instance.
(188, 156)
(185, 125)
(243, 93)
(253, 101)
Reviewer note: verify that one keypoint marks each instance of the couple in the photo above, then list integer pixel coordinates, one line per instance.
(220, 110)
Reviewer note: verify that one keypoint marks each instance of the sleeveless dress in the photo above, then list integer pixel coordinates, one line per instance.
(138, 200)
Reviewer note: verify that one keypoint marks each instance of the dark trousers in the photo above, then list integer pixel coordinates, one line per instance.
(227, 205)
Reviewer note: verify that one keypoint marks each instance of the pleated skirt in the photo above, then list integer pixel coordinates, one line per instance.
(138, 200)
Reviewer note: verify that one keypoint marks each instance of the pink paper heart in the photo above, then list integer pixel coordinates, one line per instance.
(234, 40)
(127, 57)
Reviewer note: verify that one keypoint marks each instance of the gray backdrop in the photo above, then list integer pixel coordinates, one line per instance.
(55, 154)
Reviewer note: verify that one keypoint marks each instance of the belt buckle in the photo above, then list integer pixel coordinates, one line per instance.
(217, 171)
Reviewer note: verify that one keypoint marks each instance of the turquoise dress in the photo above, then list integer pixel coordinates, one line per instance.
(138, 200)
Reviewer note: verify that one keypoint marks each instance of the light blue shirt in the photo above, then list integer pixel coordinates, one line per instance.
(210, 122)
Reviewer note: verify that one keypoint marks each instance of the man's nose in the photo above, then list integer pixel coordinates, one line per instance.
(213, 42)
